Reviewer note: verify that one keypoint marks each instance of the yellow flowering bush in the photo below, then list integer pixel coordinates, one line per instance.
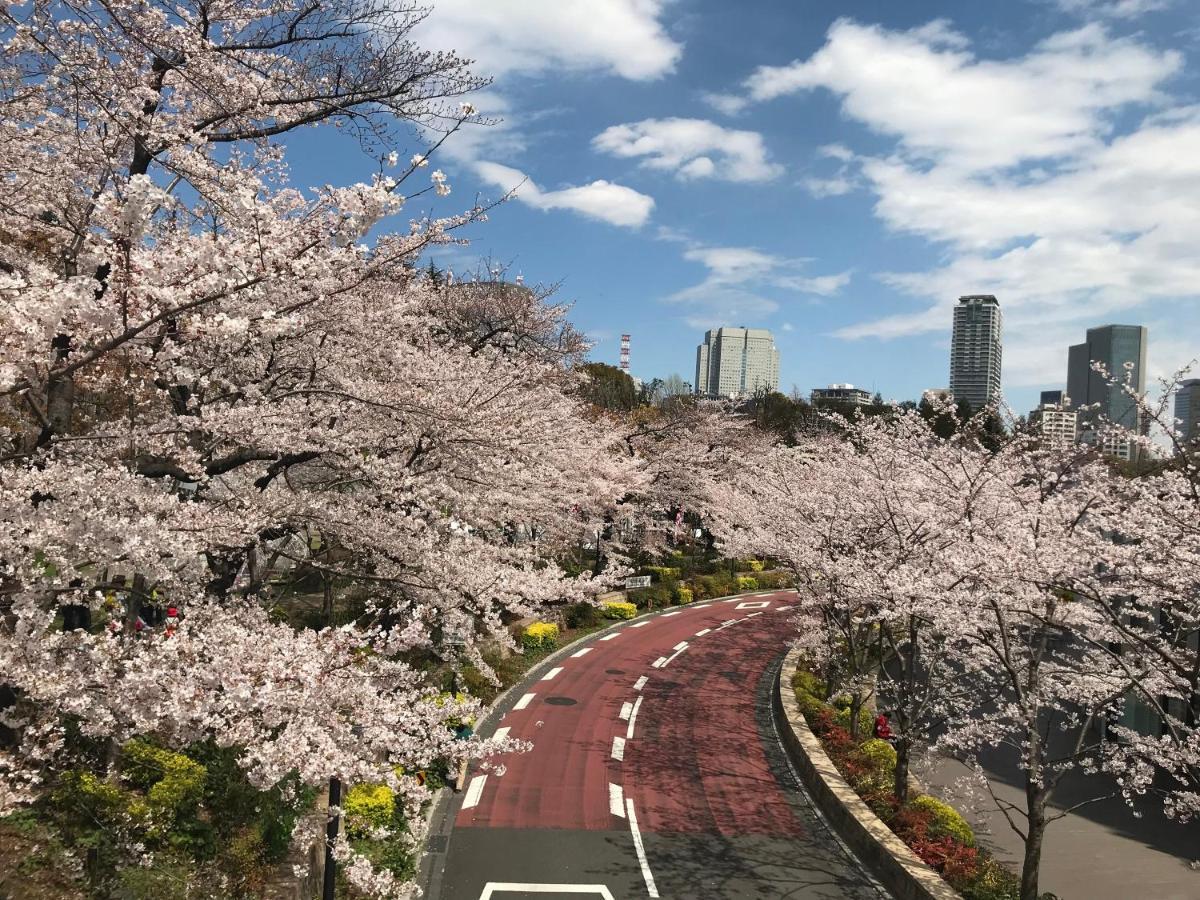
(368, 807)
(540, 636)
(747, 583)
(615, 609)
(684, 594)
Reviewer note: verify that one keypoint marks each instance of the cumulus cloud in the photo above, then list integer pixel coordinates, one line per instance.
(621, 37)
(925, 88)
(602, 200)
(691, 148)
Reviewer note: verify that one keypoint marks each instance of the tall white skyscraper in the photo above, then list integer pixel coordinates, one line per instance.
(736, 362)
(975, 350)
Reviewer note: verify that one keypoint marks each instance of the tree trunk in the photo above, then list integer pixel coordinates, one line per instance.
(1035, 808)
(856, 705)
(900, 784)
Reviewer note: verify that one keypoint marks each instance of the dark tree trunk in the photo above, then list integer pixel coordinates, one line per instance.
(900, 785)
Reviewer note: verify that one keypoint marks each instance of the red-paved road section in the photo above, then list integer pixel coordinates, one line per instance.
(655, 772)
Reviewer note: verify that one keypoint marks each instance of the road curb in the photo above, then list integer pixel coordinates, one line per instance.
(901, 871)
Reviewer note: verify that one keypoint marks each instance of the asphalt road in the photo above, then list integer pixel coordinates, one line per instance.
(655, 772)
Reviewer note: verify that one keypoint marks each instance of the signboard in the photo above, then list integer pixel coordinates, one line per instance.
(637, 582)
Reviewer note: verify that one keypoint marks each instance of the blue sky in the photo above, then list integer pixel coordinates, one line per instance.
(837, 172)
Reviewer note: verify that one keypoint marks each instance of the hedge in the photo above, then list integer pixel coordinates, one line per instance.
(615, 609)
(945, 820)
(540, 636)
(747, 583)
(662, 573)
(684, 594)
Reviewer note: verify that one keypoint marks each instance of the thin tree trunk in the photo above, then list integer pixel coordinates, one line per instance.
(900, 785)
(1035, 811)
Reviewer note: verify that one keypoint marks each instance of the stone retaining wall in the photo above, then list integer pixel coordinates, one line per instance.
(901, 871)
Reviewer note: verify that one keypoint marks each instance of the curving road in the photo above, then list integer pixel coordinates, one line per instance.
(656, 772)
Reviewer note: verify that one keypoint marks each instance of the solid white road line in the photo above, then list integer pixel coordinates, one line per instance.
(703, 632)
(618, 748)
(659, 663)
(670, 659)
(584, 652)
(626, 710)
(639, 624)
(640, 683)
(682, 645)
(633, 719)
(616, 797)
(521, 887)
(524, 701)
(501, 733)
(641, 851)
(613, 636)
(549, 676)
(474, 791)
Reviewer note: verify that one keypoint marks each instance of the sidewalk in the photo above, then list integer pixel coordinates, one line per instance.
(1100, 852)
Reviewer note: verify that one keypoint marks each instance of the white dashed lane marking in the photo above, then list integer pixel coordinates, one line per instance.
(549, 676)
(474, 791)
(524, 701)
(626, 710)
(501, 733)
(703, 632)
(639, 624)
(613, 636)
(584, 652)
(640, 683)
(616, 800)
(682, 645)
(618, 748)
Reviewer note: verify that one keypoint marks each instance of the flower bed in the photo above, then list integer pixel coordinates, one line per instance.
(934, 830)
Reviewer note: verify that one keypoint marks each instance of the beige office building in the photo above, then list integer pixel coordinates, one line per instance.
(736, 362)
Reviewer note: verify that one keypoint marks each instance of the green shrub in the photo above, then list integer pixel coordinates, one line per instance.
(581, 615)
(866, 721)
(747, 583)
(809, 683)
(369, 807)
(174, 784)
(719, 584)
(944, 819)
(880, 754)
(992, 881)
(540, 636)
(615, 609)
(657, 595)
(773, 580)
(756, 565)
(663, 573)
(683, 595)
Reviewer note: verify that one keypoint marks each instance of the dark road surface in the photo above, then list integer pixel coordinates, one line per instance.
(656, 772)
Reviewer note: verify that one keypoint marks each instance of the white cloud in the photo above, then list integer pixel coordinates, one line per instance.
(729, 104)
(1111, 9)
(691, 148)
(925, 88)
(743, 283)
(623, 37)
(603, 200)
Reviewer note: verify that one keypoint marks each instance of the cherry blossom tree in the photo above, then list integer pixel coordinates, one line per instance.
(209, 377)
(1018, 595)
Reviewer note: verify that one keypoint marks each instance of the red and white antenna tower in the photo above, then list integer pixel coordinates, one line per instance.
(625, 353)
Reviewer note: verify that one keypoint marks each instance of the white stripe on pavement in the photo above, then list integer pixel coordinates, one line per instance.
(633, 719)
(658, 663)
(474, 791)
(524, 701)
(641, 851)
(640, 683)
(682, 645)
(639, 624)
(609, 637)
(584, 652)
(501, 733)
(626, 709)
(616, 797)
(703, 632)
(549, 676)
(618, 748)
(672, 613)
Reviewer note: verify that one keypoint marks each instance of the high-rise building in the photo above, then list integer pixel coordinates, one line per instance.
(1187, 408)
(1122, 351)
(736, 362)
(1057, 424)
(840, 395)
(975, 351)
(1053, 398)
